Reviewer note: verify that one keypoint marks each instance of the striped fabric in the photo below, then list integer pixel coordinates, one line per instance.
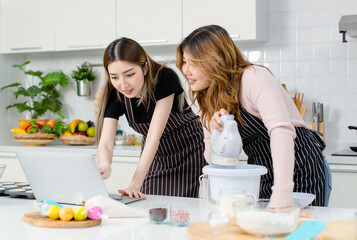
(309, 170)
(179, 159)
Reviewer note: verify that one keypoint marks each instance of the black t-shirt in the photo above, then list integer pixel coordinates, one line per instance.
(167, 84)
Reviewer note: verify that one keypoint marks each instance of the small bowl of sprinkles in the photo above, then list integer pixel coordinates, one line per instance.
(180, 215)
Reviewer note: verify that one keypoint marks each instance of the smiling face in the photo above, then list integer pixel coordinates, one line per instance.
(193, 74)
(127, 77)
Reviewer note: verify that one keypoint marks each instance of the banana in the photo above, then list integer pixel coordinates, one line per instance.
(74, 124)
(18, 130)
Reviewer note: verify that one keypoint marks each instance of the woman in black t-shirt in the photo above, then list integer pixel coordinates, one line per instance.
(152, 99)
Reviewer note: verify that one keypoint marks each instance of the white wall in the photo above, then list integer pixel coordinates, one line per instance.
(304, 50)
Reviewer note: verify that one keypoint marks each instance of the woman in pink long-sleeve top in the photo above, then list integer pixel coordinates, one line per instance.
(223, 82)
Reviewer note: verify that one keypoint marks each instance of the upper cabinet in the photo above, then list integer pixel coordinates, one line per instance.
(154, 22)
(49, 25)
(245, 20)
(27, 26)
(85, 24)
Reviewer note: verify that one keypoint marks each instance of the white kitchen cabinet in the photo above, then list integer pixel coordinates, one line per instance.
(155, 22)
(344, 190)
(244, 20)
(85, 24)
(27, 26)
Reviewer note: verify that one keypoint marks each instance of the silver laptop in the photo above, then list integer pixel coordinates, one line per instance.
(64, 177)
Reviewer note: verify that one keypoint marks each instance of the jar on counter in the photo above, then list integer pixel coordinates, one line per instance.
(119, 138)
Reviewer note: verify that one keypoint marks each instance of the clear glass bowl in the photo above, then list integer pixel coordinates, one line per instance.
(268, 219)
(158, 213)
(180, 215)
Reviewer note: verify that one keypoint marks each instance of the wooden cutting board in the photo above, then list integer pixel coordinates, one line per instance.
(203, 231)
(339, 230)
(34, 218)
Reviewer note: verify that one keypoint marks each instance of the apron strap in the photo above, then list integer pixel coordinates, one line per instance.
(129, 109)
(320, 143)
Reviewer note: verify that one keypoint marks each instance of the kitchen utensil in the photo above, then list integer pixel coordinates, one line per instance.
(300, 98)
(352, 147)
(158, 213)
(303, 199)
(302, 110)
(226, 145)
(284, 86)
(34, 218)
(268, 218)
(203, 231)
(219, 222)
(245, 176)
(237, 196)
(339, 230)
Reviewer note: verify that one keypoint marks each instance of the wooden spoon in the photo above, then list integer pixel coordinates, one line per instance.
(302, 110)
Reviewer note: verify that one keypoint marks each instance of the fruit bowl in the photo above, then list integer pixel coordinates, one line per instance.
(77, 140)
(34, 139)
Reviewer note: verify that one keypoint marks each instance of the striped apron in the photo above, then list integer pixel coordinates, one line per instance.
(309, 169)
(179, 160)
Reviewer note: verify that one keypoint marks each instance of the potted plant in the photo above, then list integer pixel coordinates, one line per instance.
(40, 92)
(84, 75)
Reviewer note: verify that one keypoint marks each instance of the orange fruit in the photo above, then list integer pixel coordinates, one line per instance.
(51, 123)
(23, 124)
(66, 133)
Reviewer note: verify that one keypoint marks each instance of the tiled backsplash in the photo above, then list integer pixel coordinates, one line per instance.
(305, 51)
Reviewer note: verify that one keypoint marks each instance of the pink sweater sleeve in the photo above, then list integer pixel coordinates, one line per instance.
(263, 96)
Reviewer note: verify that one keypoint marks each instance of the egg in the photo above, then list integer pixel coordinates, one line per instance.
(80, 213)
(53, 212)
(44, 209)
(66, 214)
(94, 213)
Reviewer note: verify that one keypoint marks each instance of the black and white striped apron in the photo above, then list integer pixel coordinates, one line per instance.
(179, 160)
(309, 169)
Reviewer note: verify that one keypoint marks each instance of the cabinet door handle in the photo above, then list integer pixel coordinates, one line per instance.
(25, 48)
(235, 36)
(152, 41)
(85, 45)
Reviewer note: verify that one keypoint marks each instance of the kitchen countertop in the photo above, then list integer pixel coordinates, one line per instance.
(9, 150)
(13, 227)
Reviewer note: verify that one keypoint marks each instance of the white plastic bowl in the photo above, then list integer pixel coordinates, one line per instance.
(303, 199)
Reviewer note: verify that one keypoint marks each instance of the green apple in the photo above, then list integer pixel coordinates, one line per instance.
(91, 132)
(82, 126)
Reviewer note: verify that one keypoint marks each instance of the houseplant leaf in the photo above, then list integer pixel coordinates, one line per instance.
(21, 66)
(16, 84)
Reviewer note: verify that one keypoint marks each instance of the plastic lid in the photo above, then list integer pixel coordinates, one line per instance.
(239, 170)
(120, 132)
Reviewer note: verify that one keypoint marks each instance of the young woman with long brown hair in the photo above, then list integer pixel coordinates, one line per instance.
(223, 82)
(152, 99)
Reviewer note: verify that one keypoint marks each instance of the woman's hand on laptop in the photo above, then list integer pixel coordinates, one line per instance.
(105, 170)
(132, 192)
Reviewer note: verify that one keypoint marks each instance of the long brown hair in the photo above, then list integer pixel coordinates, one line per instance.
(214, 53)
(129, 50)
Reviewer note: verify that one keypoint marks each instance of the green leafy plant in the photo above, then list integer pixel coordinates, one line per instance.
(41, 94)
(84, 73)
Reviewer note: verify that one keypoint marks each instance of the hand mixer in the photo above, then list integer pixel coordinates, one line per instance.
(226, 145)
